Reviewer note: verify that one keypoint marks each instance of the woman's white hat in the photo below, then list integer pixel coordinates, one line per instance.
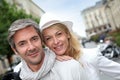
(49, 19)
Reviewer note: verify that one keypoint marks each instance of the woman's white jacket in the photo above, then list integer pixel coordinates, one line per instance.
(95, 64)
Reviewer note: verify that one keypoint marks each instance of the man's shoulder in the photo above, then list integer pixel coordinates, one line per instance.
(18, 67)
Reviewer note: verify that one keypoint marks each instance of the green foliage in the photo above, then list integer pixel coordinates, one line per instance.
(8, 14)
(0, 77)
(115, 35)
(118, 40)
(95, 38)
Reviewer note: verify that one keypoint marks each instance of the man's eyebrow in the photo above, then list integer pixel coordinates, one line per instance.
(36, 36)
(21, 41)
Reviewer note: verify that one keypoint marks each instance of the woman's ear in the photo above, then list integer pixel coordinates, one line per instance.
(68, 35)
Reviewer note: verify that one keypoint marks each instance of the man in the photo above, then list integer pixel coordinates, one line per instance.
(25, 40)
(37, 63)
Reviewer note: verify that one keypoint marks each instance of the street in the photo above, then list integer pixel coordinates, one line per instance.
(102, 76)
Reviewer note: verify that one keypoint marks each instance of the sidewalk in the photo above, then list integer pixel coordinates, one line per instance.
(90, 44)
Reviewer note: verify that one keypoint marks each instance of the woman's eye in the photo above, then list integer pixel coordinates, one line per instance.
(60, 33)
(48, 38)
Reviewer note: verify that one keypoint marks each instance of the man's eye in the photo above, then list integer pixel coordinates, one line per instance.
(35, 38)
(22, 44)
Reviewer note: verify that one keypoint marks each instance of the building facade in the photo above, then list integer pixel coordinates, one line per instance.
(104, 16)
(113, 13)
(28, 6)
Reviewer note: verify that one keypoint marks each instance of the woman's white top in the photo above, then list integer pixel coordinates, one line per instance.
(95, 64)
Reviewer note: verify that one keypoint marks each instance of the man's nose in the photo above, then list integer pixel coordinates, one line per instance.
(31, 46)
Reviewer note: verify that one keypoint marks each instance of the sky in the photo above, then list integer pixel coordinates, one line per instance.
(69, 10)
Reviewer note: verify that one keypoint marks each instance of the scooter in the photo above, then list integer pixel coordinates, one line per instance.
(110, 49)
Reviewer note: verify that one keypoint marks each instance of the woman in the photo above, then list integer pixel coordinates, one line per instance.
(61, 48)
(60, 39)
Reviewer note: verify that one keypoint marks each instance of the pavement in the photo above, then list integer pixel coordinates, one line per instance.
(90, 44)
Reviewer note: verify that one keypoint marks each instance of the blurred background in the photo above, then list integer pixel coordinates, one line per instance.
(96, 22)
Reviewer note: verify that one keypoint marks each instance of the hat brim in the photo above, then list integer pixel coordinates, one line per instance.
(68, 24)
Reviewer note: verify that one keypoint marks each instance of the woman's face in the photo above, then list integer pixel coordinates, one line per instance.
(56, 39)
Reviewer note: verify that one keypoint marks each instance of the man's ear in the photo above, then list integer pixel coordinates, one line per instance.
(15, 51)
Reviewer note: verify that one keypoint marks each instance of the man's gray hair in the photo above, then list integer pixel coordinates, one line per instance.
(20, 24)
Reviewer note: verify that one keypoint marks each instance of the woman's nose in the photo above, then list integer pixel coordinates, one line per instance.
(56, 40)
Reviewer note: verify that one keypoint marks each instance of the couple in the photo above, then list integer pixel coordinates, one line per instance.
(68, 62)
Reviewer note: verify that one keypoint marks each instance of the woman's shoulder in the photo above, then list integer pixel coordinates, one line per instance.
(69, 63)
(69, 69)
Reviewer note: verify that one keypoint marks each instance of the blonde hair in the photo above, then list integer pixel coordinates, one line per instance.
(73, 49)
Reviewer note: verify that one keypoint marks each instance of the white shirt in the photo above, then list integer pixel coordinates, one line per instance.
(95, 63)
(70, 70)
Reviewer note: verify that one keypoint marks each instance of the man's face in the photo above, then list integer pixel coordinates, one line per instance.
(28, 45)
